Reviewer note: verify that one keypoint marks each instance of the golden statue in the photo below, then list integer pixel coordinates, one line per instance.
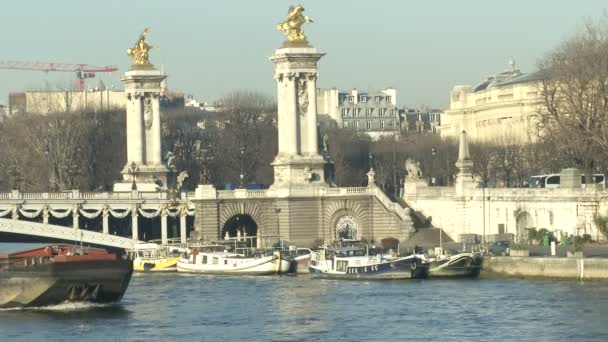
(140, 52)
(292, 26)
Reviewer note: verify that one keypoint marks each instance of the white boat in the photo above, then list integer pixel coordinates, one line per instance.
(217, 259)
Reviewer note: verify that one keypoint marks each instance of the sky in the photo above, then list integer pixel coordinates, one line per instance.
(211, 48)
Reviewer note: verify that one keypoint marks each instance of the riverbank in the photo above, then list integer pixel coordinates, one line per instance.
(546, 267)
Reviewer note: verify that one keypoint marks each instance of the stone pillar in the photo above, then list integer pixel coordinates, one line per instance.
(156, 155)
(143, 90)
(15, 213)
(134, 128)
(163, 226)
(464, 179)
(75, 217)
(105, 217)
(134, 225)
(311, 116)
(298, 163)
(182, 226)
(289, 137)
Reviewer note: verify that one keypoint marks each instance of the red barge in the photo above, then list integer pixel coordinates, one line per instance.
(62, 273)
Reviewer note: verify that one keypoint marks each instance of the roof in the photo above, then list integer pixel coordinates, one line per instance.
(509, 78)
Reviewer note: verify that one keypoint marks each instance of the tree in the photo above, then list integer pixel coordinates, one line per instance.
(575, 94)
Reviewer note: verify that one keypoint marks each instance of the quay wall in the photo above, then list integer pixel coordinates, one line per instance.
(553, 268)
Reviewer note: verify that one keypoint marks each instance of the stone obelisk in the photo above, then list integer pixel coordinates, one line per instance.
(144, 170)
(298, 162)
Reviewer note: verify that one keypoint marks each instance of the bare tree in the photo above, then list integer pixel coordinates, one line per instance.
(575, 94)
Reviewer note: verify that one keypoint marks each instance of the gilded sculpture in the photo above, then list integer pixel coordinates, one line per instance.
(292, 26)
(140, 52)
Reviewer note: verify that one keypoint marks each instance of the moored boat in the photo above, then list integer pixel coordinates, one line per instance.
(62, 273)
(356, 262)
(226, 257)
(153, 258)
(464, 265)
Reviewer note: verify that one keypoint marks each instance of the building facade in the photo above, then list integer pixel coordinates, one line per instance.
(375, 113)
(504, 106)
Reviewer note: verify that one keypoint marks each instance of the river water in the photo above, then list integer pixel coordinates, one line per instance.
(166, 307)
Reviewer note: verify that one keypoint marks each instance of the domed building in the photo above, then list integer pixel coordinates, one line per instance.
(503, 107)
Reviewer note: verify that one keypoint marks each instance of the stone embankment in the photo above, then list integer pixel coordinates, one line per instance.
(548, 267)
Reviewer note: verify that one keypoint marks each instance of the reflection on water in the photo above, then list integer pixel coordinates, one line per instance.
(201, 308)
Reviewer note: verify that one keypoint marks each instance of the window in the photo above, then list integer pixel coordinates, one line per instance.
(356, 111)
(369, 125)
(377, 98)
(393, 112)
(215, 260)
(381, 111)
(369, 111)
(382, 124)
(388, 99)
(351, 99)
(344, 112)
(204, 259)
(345, 124)
(363, 98)
(356, 124)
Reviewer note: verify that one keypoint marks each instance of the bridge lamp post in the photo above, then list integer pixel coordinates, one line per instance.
(242, 175)
(278, 212)
(371, 158)
(132, 169)
(432, 173)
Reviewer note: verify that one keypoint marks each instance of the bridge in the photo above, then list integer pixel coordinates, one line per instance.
(51, 231)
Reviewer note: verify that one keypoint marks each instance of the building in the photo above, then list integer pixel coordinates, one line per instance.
(374, 114)
(420, 120)
(501, 107)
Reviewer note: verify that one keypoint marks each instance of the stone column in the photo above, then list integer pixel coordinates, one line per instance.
(105, 214)
(156, 140)
(15, 213)
(163, 226)
(75, 217)
(135, 130)
(311, 116)
(182, 226)
(134, 226)
(290, 136)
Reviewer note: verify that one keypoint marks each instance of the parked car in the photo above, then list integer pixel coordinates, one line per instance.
(500, 248)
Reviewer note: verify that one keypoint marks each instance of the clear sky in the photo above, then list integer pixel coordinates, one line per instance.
(209, 48)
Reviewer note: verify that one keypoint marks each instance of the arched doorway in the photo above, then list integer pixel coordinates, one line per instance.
(524, 221)
(241, 225)
(347, 228)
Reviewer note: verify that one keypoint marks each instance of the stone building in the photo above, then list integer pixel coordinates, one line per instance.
(374, 113)
(420, 120)
(501, 107)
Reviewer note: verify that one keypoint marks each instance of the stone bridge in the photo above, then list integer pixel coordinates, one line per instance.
(303, 216)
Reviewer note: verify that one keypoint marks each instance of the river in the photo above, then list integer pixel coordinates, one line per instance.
(166, 307)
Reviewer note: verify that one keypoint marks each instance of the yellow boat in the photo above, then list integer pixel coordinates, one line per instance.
(153, 258)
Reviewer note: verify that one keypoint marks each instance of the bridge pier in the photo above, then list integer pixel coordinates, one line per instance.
(163, 227)
(182, 228)
(134, 227)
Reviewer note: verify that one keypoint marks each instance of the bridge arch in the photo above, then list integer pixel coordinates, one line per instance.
(344, 219)
(248, 215)
(523, 221)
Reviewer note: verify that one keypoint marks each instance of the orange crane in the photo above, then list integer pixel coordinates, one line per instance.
(83, 71)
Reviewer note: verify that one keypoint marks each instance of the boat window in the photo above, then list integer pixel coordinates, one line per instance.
(215, 260)
(341, 265)
(225, 262)
(204, 259)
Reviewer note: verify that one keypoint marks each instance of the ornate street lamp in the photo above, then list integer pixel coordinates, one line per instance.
(432, 173)
(132, 170)
(242, 175)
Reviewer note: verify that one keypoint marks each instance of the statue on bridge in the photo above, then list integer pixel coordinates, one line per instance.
(292, 26)
(412, 168)
(140, 52)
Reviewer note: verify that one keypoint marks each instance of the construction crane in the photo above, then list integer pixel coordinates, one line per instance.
(83, 71)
